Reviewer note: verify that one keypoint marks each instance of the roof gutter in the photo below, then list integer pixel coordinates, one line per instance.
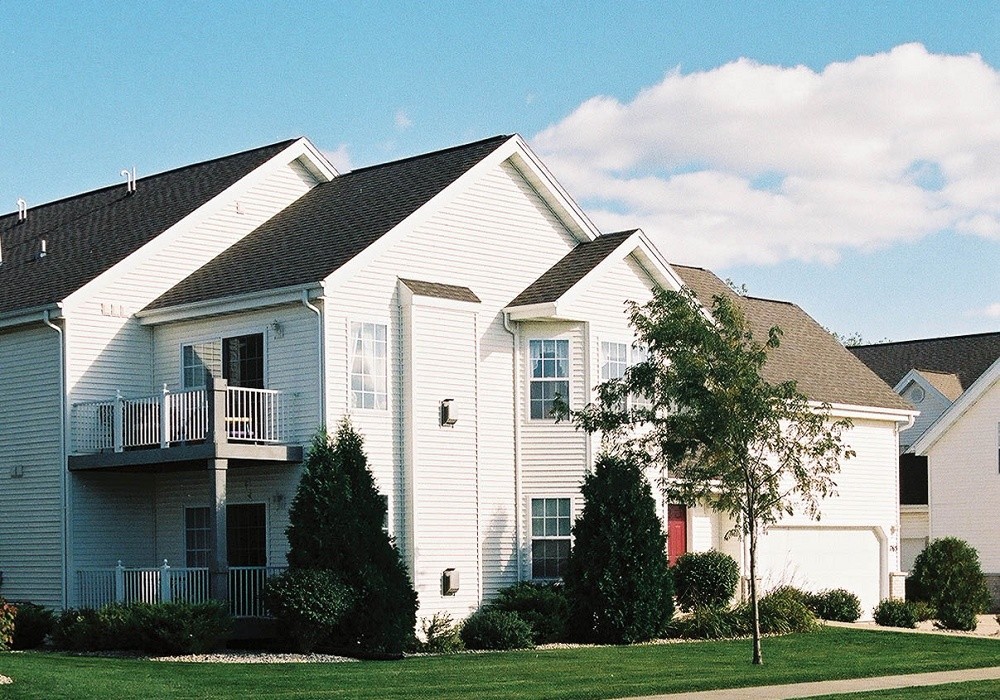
(229, 304)
(33, 315)
(841, 410)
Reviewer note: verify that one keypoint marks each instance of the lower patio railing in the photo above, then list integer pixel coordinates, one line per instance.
(162, 584)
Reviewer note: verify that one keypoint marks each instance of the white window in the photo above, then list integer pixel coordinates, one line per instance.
(551, 523)
(237, 359)
(196, 536)
(199, 361)
(368, 365)
(614, 360)
(549, 375)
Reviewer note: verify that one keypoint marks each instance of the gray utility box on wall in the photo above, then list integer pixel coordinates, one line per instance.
(449, 582)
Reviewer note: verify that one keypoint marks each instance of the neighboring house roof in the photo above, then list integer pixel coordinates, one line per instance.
(440, 291)
(821, 367)
(328, 226)
(965, 356)
(573, 267)
(948, 384)
(87, 234)
(984, 383)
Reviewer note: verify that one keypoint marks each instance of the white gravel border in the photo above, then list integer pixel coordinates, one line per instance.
(255, 657)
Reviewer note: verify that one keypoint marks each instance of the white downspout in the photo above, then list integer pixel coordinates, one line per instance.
(320, 356)
(64, 471)
(516, 369)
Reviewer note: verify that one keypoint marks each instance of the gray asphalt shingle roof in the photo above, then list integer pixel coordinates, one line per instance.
(328, 226)
(440, 291)
(821, 367)
(573, 267)
(88, 233)
(965, 356)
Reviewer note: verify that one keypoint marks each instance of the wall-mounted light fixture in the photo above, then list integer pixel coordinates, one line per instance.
(277, 330)
(448, 413)
(449, 582)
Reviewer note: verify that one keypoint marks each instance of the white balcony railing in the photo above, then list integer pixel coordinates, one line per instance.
(163, 584)
(169, 418)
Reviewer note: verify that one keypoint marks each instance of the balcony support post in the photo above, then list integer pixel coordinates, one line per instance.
(216, 391)
(218, 565)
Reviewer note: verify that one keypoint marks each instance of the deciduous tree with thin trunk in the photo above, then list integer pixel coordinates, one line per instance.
(699, 410)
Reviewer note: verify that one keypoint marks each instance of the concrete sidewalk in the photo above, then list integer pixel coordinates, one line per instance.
(851, 685)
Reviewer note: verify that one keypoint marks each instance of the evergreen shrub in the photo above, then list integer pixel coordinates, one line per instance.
(497, 630)
(336, 521)
(896, 613)
(32, 625)
(947, 575)
(617, 580)
(310, 603)
(440, 635)
(705, 579)
(836, 604)
(542, 605)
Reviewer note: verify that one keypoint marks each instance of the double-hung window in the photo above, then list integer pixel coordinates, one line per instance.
(615, 359)
(549, 375)
(550, 536)
(369, 356)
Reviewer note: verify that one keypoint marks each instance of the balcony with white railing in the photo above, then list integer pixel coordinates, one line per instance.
(163, 584)
(217, 421)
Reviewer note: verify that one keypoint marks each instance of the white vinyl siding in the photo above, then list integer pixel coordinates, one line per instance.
(31, 466)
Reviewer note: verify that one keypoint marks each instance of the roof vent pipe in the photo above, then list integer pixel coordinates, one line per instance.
(22, 210)
(44, 251)
(129, 176)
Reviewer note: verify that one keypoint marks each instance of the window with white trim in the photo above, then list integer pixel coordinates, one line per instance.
(199, 361)
(551, 524)
(237, 359)
(196, 537)
(369, 356)
(549, 375)
(614, 360)
(640, 353)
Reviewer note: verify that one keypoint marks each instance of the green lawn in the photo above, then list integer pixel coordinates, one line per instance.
(952, 691)
(604, 672)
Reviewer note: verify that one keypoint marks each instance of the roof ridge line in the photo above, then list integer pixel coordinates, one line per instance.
(929, 340)
(438, 152)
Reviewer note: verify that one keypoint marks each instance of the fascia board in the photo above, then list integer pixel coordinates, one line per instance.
(915, 376)
(532, 311)
(239, 302)
(954, 412)
(843, 410)
(513, 146)
(299, 148)
(33, 315)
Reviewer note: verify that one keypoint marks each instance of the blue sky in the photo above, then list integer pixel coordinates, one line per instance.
(845, 164)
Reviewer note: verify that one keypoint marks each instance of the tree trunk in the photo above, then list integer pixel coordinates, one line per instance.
(754, 611)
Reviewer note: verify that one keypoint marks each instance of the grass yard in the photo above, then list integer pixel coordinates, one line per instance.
(605, 672)
(952, 691)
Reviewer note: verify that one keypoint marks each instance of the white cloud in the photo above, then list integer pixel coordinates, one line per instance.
(756, 163)
(990, 311)
(403, 121)
(340, 158)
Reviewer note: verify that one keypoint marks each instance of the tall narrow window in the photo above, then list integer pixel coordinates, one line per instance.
(243, 360)
(196, 540)
(614, 360)
(199, 361)
(550, 536)
(368, 365)
(549, 375)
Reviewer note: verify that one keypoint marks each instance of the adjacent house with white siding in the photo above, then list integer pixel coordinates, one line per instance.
(167, 350)
(934, 374)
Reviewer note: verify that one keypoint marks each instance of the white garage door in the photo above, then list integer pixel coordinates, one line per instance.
(822, 557)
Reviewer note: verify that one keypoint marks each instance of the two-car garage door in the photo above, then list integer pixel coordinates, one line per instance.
(817, 558)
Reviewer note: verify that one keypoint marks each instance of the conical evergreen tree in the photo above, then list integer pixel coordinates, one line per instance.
(617, 578)
(335, 523)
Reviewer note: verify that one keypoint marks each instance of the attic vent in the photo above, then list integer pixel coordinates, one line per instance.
(129, 176)
(22, 210)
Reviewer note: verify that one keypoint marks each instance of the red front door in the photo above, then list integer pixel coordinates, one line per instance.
(677, 531)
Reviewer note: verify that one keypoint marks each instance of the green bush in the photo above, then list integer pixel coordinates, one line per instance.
(705, 579)
(544, 606)
(496, 629)
(837, 604)
(924, 610)
(7, 614)
(947, 574)
(441, 635)
(896, 613)
(711, 623)
(617, 580)
(309, 604)
(783, 611)
(335, 523)
(164, 628)
(170, 629)
(32, 625)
